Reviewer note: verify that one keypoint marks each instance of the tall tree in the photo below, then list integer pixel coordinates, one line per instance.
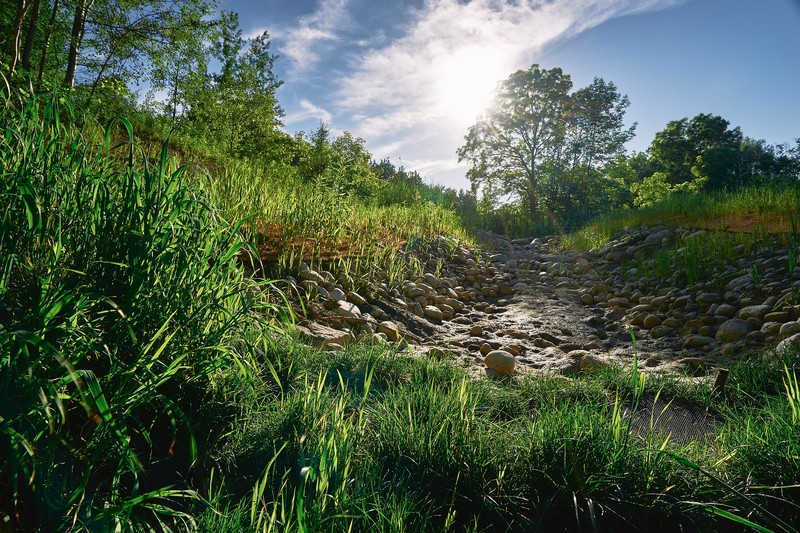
(237, 107)
(542, 143)
(525, 130)
(31, 35)
(82, 8)
(597, 129)
(46, 46)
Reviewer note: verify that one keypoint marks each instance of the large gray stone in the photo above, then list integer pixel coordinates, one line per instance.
(754, 311)
(733, 330)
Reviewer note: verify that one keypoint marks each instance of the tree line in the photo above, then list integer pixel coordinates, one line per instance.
(545, 156)
(553, 157)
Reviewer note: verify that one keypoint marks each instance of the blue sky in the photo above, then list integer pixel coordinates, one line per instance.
(411, 76)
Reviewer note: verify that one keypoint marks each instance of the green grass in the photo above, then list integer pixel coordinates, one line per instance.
(365, 440)
(752, 213)
(292, 220)
(121, 309)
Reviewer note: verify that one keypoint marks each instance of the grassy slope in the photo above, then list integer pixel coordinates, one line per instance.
(141, 381)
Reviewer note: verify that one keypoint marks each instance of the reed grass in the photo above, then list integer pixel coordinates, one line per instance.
(121, 306)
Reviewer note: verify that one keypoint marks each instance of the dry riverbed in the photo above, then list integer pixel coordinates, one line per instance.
(529, 307)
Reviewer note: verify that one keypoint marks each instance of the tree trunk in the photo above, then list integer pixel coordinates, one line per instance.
(16, 34)
(76, 37)
(533, 202)
(175, 94)
(43, 59)
(30, 36)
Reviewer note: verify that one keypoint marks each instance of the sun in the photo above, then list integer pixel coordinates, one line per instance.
(467, 80)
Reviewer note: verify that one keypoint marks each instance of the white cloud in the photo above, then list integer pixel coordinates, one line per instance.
(301, 43)
(429, 86)
(307, 110)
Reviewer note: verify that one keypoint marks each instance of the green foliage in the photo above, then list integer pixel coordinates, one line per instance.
(542, 146)
(657, 188)
(237, 108)
(702, 147)
(121, 305)
(370, 440)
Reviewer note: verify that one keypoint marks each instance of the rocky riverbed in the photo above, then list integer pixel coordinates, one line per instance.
(528, 307)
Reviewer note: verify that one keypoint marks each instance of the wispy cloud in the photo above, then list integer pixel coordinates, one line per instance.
(429, 86)
(307, 110)
(301, 43)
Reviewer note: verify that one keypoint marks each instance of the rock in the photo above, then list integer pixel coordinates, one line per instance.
(390, 330)
(651, 321)
(517, 334)
(785, 347)
(707, 298)
(543, 343)
(789, 329)
(500, 361)
(485, 348)
(591, 363)
(659, 332)
(311, 275)
(692, 363)
(338, 295)
(698, 341)
(513, 349)
(733, 330)
(447, 311)
(587, 298)
(476, 331)
(413, 292)
(356, 298)
(778, 316)
(433, 312)
(658, 237)
(756, 311)
(457, 305)
(550, 338)
(437, 353)
(321, 336)
(570, 347)
(347, 310)
(771, 329)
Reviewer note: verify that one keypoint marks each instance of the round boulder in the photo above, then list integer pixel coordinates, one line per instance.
(500, 361)
(733, 330)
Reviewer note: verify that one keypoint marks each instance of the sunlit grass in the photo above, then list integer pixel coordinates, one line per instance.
(754, 211)
(122, 306)
(370, 440)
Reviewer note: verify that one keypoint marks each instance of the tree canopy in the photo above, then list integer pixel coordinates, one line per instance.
(539, 140)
